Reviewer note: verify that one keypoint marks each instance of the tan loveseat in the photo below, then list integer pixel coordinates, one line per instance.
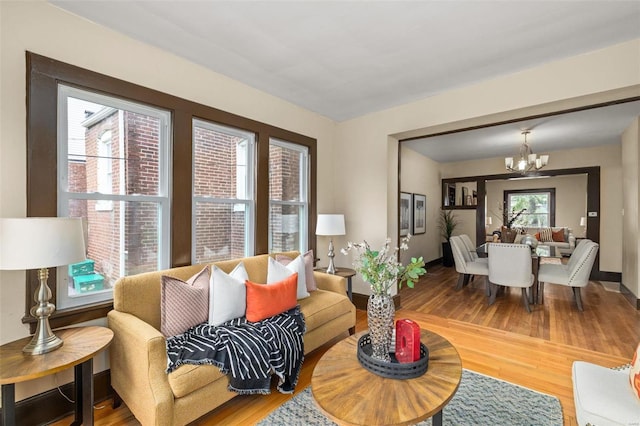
(138, 357)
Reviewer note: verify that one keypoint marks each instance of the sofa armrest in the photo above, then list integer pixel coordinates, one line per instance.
(572, 241)
(330, 282)
(138, 362)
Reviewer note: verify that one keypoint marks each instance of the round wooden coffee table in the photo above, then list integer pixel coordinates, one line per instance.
(350, 395)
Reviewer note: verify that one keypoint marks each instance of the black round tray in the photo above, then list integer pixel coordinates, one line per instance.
(393, 369)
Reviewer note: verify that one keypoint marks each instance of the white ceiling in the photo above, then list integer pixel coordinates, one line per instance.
(343, 59)
(592, 127)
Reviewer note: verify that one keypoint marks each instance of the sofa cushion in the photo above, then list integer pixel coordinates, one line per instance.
(278, 272)
(323, 306)
(308, 267)
(227, 294)
(184, 304)
(267, 300)
(188, 378)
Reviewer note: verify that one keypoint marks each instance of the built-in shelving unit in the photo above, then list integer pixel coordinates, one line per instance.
(459, 194)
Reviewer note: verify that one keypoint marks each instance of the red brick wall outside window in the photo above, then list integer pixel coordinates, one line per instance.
(140, 161)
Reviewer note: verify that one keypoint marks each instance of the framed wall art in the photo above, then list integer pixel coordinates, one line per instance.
(406, 216)
(419, 214)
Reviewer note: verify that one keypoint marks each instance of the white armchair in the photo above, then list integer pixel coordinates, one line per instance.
(465, 265)
(603, 396)
(510, 266)
(574, 274)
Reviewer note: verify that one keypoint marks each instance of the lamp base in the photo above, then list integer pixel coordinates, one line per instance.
(39, 346)
(331, 269)
(43, 340)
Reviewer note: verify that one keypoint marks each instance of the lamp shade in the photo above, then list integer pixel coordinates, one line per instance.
(40, 242)
(330, 224)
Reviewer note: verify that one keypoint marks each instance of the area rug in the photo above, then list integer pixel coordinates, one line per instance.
(480, 400)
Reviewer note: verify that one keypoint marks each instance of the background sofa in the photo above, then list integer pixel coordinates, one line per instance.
(566, 247)
(138, 357)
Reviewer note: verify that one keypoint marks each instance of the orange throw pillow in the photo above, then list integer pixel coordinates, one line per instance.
(267, 300)
(537, 235)
(634, 373)
(558, 236)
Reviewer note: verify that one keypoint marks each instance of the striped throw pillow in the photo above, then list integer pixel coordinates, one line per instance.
(184, 304)
(546, 235)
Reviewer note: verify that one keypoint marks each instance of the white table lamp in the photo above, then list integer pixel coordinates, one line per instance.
(330, 225)
(41, 243)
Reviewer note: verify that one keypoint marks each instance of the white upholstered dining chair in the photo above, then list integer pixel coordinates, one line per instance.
(510, 266)
(465, 265)
(471, 248)
(574, 274)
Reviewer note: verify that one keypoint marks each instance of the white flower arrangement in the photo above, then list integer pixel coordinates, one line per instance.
(381, 268)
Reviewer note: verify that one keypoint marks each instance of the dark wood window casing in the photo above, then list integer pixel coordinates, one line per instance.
(44, 75)
(552, 200)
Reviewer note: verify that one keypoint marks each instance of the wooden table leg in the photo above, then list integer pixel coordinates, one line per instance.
(535, 291)
(436, 420)
(9, 404)
(83, 377)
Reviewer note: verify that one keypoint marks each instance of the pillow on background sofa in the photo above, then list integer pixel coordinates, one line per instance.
(545, 235)
(558, 236)
(308, 268)
(267, 300)
(227, 294)
(277, 272)
(183, 304)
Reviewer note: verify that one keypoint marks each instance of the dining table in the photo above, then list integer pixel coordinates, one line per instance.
(540, 252)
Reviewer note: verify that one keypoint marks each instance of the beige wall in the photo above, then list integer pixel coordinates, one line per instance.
(421, 175)
(631, 218)
(570, 196)
(44, 29)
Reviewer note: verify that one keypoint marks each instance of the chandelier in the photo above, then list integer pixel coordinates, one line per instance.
(527, 160)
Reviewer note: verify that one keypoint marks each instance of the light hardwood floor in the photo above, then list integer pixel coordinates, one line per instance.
(534, 350)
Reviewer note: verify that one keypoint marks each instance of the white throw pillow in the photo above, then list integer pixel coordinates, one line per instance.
(277, 272)
(227, 294)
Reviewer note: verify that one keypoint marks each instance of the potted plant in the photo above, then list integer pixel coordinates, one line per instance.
(382, 270)
(508, 234)
(448, 224)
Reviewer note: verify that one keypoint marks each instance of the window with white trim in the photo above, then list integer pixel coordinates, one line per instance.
(288, 196)
(113, 171)
(223, 192)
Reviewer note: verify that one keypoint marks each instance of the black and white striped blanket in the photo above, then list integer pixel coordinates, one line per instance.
(249, 353)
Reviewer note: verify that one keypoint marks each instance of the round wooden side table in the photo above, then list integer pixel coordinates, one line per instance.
(350, 395)
(81, 344)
